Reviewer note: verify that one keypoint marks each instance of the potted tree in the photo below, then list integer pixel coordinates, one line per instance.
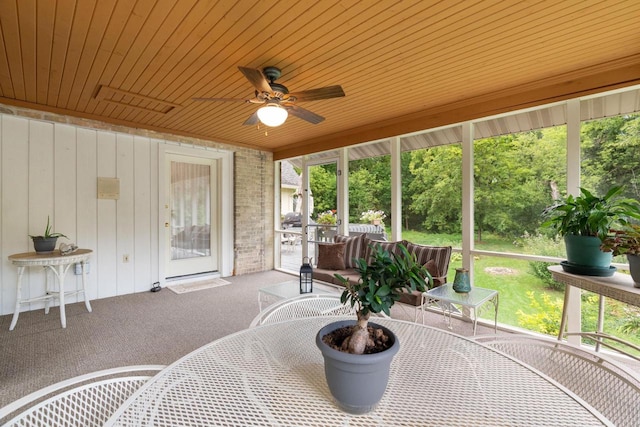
(46, 243)
(357, 354)
(626, 242)
(584, 221)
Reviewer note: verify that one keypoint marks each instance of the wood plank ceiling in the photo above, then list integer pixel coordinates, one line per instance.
(404, 65)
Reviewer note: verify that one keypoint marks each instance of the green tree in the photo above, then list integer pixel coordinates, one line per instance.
(611, 154)
(436, 187)
(370, 179)
(322, 180)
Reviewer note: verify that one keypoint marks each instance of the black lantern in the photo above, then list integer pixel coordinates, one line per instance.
(306, 276)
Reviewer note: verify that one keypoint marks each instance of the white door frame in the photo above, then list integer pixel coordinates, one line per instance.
(225, 191)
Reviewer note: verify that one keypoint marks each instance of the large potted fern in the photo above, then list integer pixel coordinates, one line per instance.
(358, 353)
(584, 221)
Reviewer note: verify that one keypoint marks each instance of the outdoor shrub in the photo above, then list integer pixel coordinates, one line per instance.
(631, 322)
(546, 314)
(541, 245)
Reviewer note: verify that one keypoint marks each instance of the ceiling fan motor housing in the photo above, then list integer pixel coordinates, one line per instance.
(272, 73)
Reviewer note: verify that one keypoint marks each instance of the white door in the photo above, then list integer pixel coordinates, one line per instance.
(191, 229)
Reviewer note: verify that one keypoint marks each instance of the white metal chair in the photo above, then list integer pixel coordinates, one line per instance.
(87, 400)
(608, 386)
(309, 305)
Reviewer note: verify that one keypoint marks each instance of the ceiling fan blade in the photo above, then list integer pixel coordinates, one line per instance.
(303, 114)
(320, 93)
(256, 78)
(252, 120)
(221, 99)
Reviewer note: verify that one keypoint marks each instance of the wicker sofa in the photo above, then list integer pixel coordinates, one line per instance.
(338, 257)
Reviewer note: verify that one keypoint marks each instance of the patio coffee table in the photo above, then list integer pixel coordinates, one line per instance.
(290, 289)
(448, 299)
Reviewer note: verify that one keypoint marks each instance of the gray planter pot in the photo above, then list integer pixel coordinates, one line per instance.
(356, 381)
(44, 245)
(634, 269)
(585, 251)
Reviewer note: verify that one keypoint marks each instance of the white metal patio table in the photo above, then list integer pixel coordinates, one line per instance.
(273, 375)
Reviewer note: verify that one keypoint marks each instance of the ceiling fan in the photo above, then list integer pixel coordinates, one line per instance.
(279, 103)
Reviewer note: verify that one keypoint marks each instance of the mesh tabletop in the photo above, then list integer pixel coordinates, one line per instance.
(273, 375)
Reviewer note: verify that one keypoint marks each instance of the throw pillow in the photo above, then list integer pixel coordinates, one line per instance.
(391, 247)
(352, 250)
(432, 268)
(331, 256)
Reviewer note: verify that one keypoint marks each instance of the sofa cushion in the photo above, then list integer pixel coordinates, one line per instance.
(327, 275)
(324, 275)
(354, 248)
(412, 298)
(331, 256)
(440, 256)
(370, 245)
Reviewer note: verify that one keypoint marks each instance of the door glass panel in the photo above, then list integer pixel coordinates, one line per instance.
(323, 203)
(190, 210)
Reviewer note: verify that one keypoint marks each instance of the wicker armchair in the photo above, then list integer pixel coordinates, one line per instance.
(609, 387)
(87, 401)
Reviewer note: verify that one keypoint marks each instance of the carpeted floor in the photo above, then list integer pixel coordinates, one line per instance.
(144, 328)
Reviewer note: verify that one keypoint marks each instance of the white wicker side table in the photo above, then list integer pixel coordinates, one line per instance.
(58, 264)
(619, 287)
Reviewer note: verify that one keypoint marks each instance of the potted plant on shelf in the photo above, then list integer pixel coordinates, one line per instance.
(357, 354)
(626, 241)
(584, 221)
(46, 243)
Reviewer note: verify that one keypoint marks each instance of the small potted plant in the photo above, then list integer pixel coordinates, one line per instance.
(46, 243)
(327, 221)
(357, 354)
(327, 218)
(626, 241)
(584, 221)
(374, 217)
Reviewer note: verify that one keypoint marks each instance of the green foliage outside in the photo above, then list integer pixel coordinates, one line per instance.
(546, 315)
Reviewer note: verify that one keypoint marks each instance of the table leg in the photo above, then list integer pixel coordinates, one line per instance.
(600, 322)
(63, 314)
(60, 272)
(16, 312)
(475, 320)
(496, 304)
(563, 319)
(47, 291)
(84, 286)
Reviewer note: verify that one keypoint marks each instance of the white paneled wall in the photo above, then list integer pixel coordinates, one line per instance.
(52, 169)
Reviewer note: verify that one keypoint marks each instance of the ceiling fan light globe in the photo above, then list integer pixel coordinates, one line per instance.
(272, 115)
